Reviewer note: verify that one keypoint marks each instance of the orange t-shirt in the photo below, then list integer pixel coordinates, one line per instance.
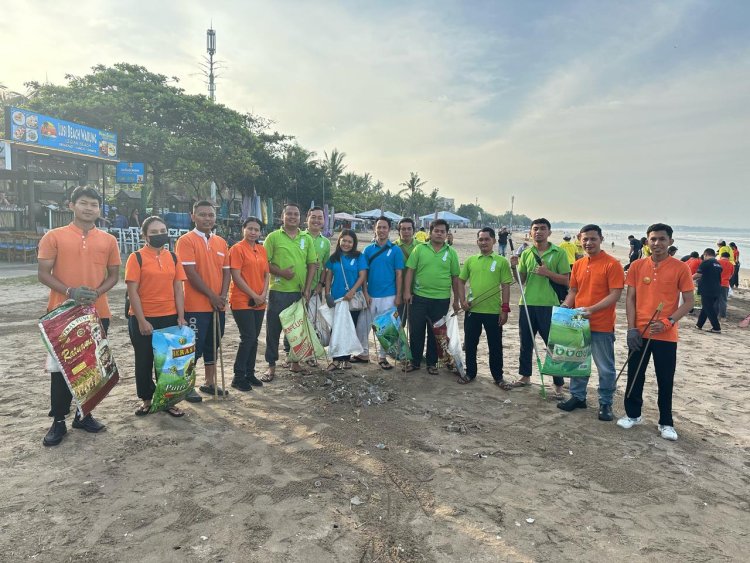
(155, 281)
(727, 271)
(210, 258)
(79, 260)
(593, 278)
(252, 262)
(693, 264)
(658, 283)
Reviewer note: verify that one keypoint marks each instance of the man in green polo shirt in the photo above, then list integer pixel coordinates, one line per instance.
(489, 278)
(540, 296)
(321, 244)
(292, 260)
(406, 243)
(431, 272)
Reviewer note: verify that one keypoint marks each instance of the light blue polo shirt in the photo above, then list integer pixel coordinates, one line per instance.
(352, 268)
(381, 277)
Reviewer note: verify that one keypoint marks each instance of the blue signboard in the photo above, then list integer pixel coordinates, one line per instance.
(130, 172)
(33, 129)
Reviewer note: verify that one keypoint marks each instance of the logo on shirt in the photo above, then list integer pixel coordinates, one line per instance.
(351, 262)
(492, 267)
(302, 244)
(445, 256)
(389, 252)
(321, 243)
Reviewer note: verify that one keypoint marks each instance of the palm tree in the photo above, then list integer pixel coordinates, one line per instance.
(412, 187)
(9, 97)
(334, 166)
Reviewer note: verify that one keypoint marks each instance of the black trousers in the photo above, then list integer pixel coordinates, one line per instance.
(249, 323)
(710, 311)
(355, 316)
(144, 354)
(735, 279)
(424, 311)
(59, 393)
(665, 361)
(473, 324)
(541, 320)
(277, 302)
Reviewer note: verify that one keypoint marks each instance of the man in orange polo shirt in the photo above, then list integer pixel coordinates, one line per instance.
(596, 283)
(727, 271)
(82, 263)
(205, 258)
(657, 279)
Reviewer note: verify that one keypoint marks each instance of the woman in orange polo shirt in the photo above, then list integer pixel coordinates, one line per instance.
(248, 293)
(156, 301)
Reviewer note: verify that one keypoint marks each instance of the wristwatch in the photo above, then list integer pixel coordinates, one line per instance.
(671, 320)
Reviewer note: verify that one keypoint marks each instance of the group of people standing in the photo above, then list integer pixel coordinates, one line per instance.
(193, 286)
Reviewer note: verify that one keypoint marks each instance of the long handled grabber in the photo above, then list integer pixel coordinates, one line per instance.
(405, 321)
(543, 391)
(480, 298)
(638, 369)
(218, 348)
(643, 333)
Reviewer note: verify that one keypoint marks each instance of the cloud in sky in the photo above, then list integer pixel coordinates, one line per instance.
(586, 110)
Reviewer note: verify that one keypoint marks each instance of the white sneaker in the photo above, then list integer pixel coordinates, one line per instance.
(668, 432)
(627, 422)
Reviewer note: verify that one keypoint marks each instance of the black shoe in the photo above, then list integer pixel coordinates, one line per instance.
(241, 385)
(605, 412)
(193, 397)
(209, 390)
(88, 423)
(55, 434)
(571, 404)
(252, 380)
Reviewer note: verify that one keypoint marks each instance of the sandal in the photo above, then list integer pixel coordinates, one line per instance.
(175, 412)
(409, 368)
(504, 385)
(519, 383)
(358, 360)
(384, 364)
(143, 410)
(333, 366)
(462, 381)
(346, 365)
(268, 376)
(286, 364)
(300, 370)
(432, 370)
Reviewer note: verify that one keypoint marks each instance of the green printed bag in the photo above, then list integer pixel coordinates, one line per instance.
(299, 331)
(174, 360)
(569, 344)
(391, 335)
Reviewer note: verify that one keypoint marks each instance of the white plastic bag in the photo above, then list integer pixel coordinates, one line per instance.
(364, 326)
(344, 339)
(454, 345)
(322, 318)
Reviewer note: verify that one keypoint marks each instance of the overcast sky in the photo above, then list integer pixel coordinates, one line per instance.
(584, 110)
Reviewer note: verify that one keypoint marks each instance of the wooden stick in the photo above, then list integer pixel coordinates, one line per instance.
(643, 332)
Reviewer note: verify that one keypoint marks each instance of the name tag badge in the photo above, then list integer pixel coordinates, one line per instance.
(494, 263)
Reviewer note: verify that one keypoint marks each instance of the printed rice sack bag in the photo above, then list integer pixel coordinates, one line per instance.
(174, 360)
(391, 335)
(79, 349)
(299, 331)
(569, 344)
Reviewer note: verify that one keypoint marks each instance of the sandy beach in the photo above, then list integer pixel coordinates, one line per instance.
(368, 465)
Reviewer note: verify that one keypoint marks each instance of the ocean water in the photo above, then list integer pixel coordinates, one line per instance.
(687, 240)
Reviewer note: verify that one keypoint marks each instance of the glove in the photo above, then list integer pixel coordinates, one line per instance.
(329, 301)
(83, 295)
(635, 340)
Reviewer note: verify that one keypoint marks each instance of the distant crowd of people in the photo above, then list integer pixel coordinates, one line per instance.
(419, 273)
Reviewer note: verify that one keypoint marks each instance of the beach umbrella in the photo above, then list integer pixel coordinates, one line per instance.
(255, 211)
(245, 207)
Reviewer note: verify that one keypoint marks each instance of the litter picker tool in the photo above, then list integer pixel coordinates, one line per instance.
(217, 347)
(480, 298)
(543, 391)
(643, 332)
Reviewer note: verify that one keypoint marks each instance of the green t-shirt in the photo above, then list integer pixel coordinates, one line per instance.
(322, 248)
(538, 288)
(283, 252)
(433, 271)
(485, 274)
(406, 248)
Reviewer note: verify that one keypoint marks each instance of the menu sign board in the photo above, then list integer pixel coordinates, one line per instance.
(30, 128)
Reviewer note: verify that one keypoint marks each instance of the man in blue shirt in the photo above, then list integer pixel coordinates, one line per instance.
(386, 263)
